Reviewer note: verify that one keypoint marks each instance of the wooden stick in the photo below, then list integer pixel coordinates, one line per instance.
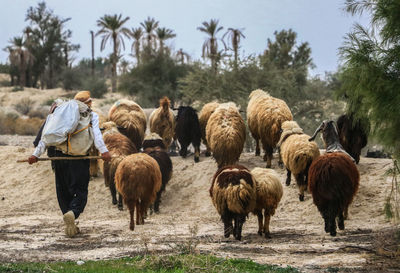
(63, 158)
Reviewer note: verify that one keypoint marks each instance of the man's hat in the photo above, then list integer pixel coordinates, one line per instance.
(83, 96)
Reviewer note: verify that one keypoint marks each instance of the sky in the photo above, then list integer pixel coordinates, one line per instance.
(321, 23)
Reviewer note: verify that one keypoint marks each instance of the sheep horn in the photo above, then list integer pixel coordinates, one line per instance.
(316, 132)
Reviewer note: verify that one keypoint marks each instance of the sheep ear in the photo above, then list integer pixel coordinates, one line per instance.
(317, 131)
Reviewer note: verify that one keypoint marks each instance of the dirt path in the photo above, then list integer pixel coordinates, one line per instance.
(31, 226)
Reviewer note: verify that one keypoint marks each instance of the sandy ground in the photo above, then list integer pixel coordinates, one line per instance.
(31, 226)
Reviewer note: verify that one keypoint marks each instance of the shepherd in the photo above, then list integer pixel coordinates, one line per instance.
(72, 176)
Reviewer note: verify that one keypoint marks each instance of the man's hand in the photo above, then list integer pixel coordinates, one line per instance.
(106, 156)
(32, 159)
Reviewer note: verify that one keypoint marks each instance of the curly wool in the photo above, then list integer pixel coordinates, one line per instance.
(265, 114)
(138, 179)
(162, 121)
(129, 115)
(226, 134)
(204, 116)
(296, 151)
(233, 189)
(269, 189)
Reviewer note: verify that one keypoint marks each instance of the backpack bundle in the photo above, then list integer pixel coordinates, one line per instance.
(68, 128)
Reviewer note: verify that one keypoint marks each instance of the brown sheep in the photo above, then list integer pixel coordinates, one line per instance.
(204, 116)
(233, 193)
(226, 134)
(333, 179)
(130, 119)
(138, 179)
(162, 121)
(119, 146)
(265, 114)
(269, 192)
(297, 154)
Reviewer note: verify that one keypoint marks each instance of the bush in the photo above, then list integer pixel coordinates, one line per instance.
(71, 79)
(24, 106)
(17, 88)
(11, 124)
(96, 86)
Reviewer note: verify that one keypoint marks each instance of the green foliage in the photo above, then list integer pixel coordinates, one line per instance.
(370, 82)
(154, 78)
(4, 68)
(156, 263)
(392, 206)
(96, 85)
(71, 79)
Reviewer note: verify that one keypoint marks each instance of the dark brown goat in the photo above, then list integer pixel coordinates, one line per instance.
(233, 193)
(156, 149)
(353, 135)
(333, 179)
(187, 131)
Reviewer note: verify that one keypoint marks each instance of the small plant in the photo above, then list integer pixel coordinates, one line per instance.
(392, 204)
(17, 88)
(24, 106)
(188, 246)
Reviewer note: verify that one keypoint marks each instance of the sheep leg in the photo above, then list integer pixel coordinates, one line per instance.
(326, 220)
(131, 206)
(302, 185)
(288, 177)
(268, 156)
(267, 219)
(260, 222)
(157, 202)
(183, 150)
(138, 214)
(332, 222)
(341, 221)
(113, 193)
(258, 151)
(196, 154)
(228, 227)
(346, 213)
(208, 149)
(120, 205)
(280, 162)
(237, 229)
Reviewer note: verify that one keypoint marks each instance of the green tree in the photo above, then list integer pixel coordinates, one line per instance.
(370, 77)
(48, 41)
(164, 34)
(150, 25)
(210, 46)
(137, 35)
(234, 36)
(181, 56)
(112, 29)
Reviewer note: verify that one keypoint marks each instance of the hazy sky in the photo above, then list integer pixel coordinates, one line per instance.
(321, 23)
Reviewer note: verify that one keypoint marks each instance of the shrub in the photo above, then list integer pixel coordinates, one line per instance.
(71, 79)
(24, 106)
(17, 88)
(96, 86)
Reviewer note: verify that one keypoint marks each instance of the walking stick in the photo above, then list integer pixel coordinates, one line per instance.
(63, 158)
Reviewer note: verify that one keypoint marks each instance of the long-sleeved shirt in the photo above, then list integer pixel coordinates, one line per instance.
(98, 138)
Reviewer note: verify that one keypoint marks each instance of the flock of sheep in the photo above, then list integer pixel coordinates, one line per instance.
(139, 178)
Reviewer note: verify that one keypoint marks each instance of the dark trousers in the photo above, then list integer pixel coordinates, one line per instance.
(72, 181)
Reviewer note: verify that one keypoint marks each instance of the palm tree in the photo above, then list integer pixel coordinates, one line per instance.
(20, 57)
(164, 34)
(210, 46)
(150, 25)
(111, 26)
(137, 35)
(181, 55)
(234, 36)
(123, 66)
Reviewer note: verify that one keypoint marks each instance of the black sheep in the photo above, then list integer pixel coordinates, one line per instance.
(187, 131)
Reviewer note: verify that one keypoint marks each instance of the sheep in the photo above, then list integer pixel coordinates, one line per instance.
(204, 116)
(119, 146)
(188, 131)
(151, 147)
(138, 179)
(265, 114)
(353, 135)
(130, 119)
(233, 193)
(226, 134)
(162, 121)
(297, 154)
(333, 179)
(269, 192)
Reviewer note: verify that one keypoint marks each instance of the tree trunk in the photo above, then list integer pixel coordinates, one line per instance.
(114, 66)
(92, 33)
